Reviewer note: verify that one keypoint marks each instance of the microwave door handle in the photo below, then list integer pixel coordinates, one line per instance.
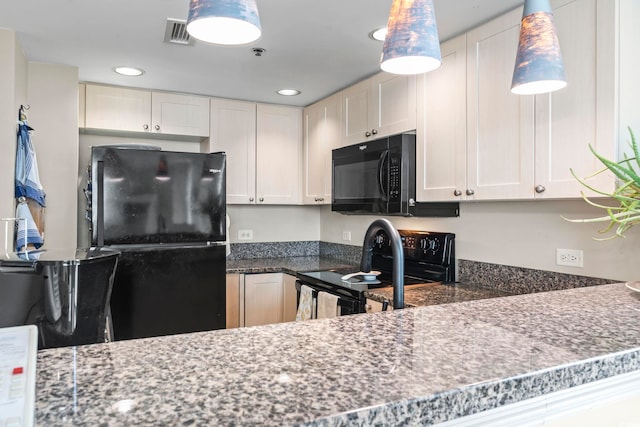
(381, 172)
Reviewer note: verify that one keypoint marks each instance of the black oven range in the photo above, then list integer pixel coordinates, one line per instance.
(428, 257)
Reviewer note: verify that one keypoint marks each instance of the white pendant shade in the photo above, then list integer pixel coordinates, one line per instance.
(539, 66)
(226, 22)
(412, 45)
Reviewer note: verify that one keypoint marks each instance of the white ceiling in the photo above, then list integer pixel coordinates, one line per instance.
(316, 46)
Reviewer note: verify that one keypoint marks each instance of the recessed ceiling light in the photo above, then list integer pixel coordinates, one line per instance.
(289, 92)
(378, 34)
(129, 71)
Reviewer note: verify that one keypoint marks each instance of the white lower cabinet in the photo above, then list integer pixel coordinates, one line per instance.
(233, 301)
(267, 298)
(373, 306)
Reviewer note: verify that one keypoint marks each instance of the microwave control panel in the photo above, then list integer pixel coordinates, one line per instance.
(394, 178)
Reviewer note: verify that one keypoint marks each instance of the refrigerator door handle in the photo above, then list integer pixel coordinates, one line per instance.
(99, 204)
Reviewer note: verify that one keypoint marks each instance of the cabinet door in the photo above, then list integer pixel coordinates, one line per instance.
(289, 298)
(356, 101)
(233, 130)
(500, 125)
(568, 120)
(313, 189)
(373, 306)
(177, 114)
(263, 299)
(117, 109)
(233, 301)
(279, 155)
(82, 99)
(394, 104)
(442, 125)
(322, 133)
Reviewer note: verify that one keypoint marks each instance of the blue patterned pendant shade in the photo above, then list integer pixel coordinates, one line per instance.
(412, 45)
(539, 67)
(227, 22)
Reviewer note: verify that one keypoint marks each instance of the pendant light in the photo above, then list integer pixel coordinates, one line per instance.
(539, 67)
(411, 45)
(227, 22)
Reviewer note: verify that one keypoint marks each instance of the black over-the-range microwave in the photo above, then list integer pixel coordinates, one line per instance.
(379, 177)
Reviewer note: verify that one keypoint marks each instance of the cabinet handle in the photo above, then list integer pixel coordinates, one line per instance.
(261, 199)
(322, 199)
(251, 199)
(145, 126)
(367, 134)
(470, 192)
(374, 131)
(457, 193)
(540, 189)
(157, 127)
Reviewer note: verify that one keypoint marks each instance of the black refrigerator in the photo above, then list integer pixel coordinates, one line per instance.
(165, 211)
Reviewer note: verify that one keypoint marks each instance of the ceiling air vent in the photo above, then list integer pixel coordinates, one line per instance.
(176, 32)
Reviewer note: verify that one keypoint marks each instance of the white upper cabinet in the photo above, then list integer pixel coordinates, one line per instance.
(517, 147)
(322, 133)
(279, 155)
(441, 135)
(570, 119)
(118, 109)
(500, 125)
(264, 150)
(382, 105)
(176, 114)
(233, 130)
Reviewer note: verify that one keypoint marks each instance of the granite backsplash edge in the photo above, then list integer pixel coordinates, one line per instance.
(510, 279)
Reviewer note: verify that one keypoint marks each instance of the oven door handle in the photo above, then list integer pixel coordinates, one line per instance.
(382, 174)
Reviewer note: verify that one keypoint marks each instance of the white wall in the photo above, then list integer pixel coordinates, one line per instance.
(275, 223)
(53, 97)
(13, 87)
(523, 234)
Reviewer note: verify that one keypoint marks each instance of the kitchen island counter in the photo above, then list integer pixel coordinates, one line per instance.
(419, 366)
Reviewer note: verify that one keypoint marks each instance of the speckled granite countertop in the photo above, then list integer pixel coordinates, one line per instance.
(290, 265)
(435, 293)
(413, 295)
(415, 366)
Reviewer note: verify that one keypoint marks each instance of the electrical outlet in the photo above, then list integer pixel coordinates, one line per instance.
(569, 257)
(245, 234)
(346, 236)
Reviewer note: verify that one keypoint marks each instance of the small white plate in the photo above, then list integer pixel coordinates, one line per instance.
(371, 276)
(634, 286)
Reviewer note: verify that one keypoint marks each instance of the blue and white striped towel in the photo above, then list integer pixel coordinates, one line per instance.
(27, 178)
(28, 233)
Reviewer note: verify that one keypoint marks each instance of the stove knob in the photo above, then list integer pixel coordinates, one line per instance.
(429, 244)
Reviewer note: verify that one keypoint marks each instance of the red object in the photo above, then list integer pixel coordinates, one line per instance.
(19, 370)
